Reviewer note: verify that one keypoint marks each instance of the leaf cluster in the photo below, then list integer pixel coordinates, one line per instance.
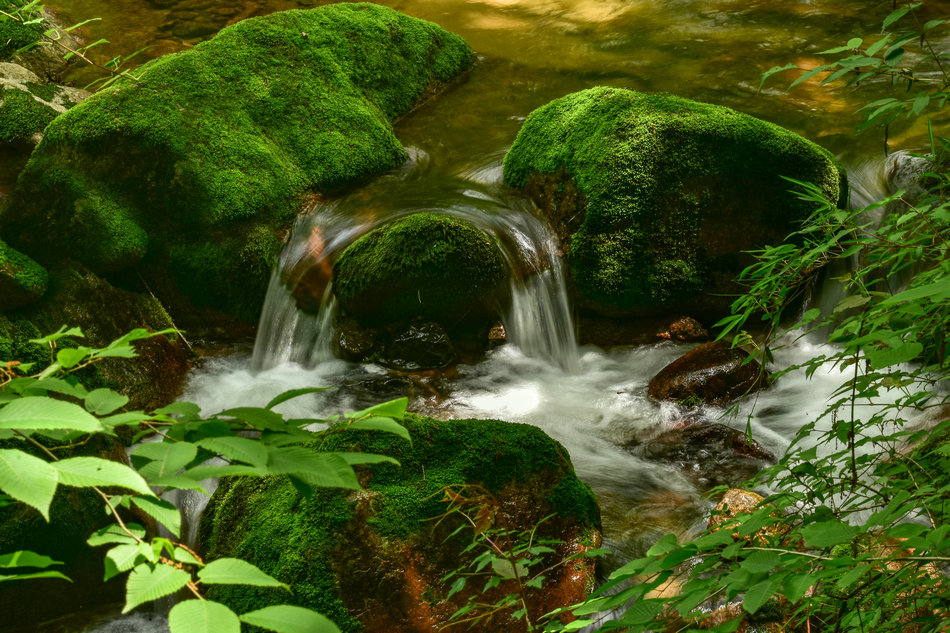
(43, 415)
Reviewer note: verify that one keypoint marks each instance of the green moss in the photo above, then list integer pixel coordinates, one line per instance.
(22, 280)
(666, 181)
(438, 267)
(309, 542)
(13, 34)
(22, 116)
(310, 96)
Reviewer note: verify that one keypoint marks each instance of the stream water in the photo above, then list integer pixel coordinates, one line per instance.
(531, 51)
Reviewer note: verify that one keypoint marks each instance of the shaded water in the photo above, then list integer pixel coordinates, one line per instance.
(532, 51)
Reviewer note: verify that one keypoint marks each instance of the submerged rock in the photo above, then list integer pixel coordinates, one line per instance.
(713, 373)
(712, 454)
(656, 198)
(375, 560)
(156, 171)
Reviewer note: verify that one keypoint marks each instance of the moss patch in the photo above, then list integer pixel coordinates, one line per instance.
(157, 169)
(432, 266)
(13, 34)
(22, 280)
(22, 116)
(674, 190)
(317, 544)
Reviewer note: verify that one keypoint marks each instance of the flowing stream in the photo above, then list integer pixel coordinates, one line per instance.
(593, 401)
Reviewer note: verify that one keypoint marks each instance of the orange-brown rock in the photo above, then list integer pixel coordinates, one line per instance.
(713, 373)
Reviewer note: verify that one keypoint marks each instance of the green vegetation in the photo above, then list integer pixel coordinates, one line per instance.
(854, 536)
(42, 433)
(296, 538)
(673, 189)
(438, 267)
(22, 116)
(15, 35)
(154, 168)
(22, 280)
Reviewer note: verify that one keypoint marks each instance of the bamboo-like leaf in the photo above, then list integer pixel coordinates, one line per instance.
(28, 479)
(146, 584)
(287, 618)
(203, 616)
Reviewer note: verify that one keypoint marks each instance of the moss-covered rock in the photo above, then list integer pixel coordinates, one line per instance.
(424, 265)
(15, 35)
(375, 560)
(22, 281)
(157, 169)
(27, 105)
(655, 197)
(77, 297)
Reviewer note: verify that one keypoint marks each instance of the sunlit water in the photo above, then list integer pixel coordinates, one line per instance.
(530, 52)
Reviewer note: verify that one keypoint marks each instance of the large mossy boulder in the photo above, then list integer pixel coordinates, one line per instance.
(375, 560)
(434, 267)
(655, 197)
(195, 169)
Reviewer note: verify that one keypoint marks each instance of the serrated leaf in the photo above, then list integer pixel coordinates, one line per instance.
(287, 618)
(26, 558)
(114, 534)
(105, 401)
(326, 470)
(853, 575)
(146, 584)
(759, 594)
(239, 449)
(123, 558)
(760, 562)
(903, 353)
(456, 587)
(43, 413)
(93, 471)
(184, 556)
(28, 479)
(162, 459)
(162, 511)
(187, 410)
(796, 586)
(234, 571)
(387, 425)
(293, 393)
(203, 616)
(261, 419)
(828, 534)
(505, 569)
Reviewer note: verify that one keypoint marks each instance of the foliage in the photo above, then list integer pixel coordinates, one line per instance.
(854, 536)
(175, 448)
(503, 558)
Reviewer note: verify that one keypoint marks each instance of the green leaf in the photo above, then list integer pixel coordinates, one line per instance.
(114, 534)
(849, 303)
(146, 584)
(366, 458)
(325, 470)
(903, 353)
(162, 459)
(760, 562)
(759, 594)
(828, 534)
(234, 571)
(28, 479)
(105, 401)
(457, 586)
(796, 586)
(93, 471)
(184, 556)
(391, 409)
(122, 557)
(187, 410)
(936, 291)
(893, 17)
(504, 568)
(239, 449)
(43, 413)
(261, 419)
(35, 575)
(25, 558)
(203, 616)
(162, 511)
(381, 424)
(665, 545)
(60, 333)
(286, 618)
(71, 356)
(853, 575)
(293, 393)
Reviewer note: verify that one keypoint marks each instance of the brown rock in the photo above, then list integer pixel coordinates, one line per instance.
(686, 329)
(713, 373)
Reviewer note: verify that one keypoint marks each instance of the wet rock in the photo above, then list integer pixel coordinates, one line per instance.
(27, 106)
(22, 281)
(184, 204)
(437, 267)
(685, 329)
(374, 560)
(657, 199)
(421, 345)
(713, 373)
(354, 342)
(711, 454)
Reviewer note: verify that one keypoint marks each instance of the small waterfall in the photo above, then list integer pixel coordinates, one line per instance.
(537, 318)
